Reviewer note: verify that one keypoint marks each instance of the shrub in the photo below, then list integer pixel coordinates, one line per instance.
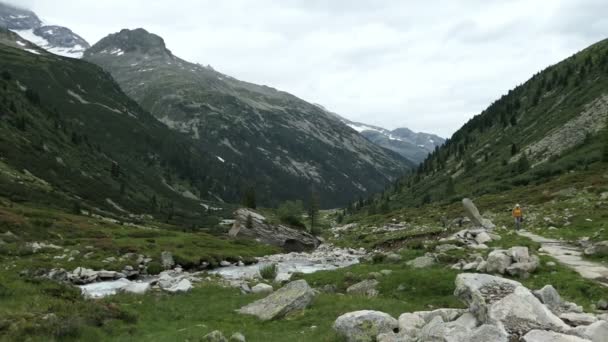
(154, 268)
(290, 213)
(269, 272)
(378, 258)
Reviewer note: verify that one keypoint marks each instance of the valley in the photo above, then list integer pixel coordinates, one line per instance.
(144, 197)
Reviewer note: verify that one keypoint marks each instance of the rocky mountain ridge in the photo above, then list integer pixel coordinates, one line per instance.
(55, 39)
(292, 145)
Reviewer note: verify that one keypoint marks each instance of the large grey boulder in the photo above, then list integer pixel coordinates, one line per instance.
(421, 262)
(472, 212)
(521, 312)
(519, 254)
(550, 336)
(277, 235)
(410, 324)
(549, 296)
(294, 296)
(479, 291)
(498, 262)
(599, 248)
(365, 325)
(596, 332)
(365, 288)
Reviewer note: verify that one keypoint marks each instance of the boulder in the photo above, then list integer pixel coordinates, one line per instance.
(548, 295)
(576, 319)
(166, 260)
(277, 235)
(364, 325)
(393, 257)
(599, 248)
(520, 312)
(523, 269)
(596, 332)
(421, 262)
(483, 238)
(519, 254)
(183, 285)
(479, 290)
(294, 296)
(214, 336)
(472, 213)
(447, 315)
(439, 331)
(487, 333)
(550, 336)
(262, 288)
(410, 324)
(365, 288)
(238, 337)
(497, 262)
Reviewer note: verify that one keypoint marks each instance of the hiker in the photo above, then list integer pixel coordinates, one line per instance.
(519, 216)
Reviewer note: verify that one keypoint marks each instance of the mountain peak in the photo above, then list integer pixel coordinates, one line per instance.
(15, 18)
(131, 41)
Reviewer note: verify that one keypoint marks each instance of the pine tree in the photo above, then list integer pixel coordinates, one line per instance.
(449, 188)
(249, 222)
(249, 198)
(313, 209)
(523, 164)
(514, 149)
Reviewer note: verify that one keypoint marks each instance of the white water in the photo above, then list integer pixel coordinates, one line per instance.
(323, 258)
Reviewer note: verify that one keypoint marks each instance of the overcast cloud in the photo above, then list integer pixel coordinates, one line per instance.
(426, 65)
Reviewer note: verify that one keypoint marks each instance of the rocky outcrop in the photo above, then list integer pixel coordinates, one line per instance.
(515, 261)
(292, 297)
(251, 225)
(473, 214)
(499, 310)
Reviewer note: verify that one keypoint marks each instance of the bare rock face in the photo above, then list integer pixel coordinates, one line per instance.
(292, 297)
(251, 225)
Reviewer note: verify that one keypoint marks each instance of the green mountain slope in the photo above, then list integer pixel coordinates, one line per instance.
(281, 144)
(68, 133)
(551, 125)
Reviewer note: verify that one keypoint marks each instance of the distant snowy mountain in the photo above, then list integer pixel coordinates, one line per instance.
(55, 39)
(409, 144)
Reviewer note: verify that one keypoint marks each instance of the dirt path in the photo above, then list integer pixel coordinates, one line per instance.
(571, 256)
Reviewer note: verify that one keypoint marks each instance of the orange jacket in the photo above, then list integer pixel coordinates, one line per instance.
(517, 212)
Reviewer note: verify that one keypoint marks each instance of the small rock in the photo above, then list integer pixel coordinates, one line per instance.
(393, 257)
(215, 336)
(386, 272)
(421, 262)
(225, 263)
(262, 289)
(365, 288)
(238, 337)
(577, 319)
(602, 305)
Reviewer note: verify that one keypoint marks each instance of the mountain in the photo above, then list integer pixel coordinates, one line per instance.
(68, 134)
(282, 145)
(551, 126)
(55, 39)
(407, 143)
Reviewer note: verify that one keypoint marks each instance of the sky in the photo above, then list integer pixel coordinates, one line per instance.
(426, 65)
